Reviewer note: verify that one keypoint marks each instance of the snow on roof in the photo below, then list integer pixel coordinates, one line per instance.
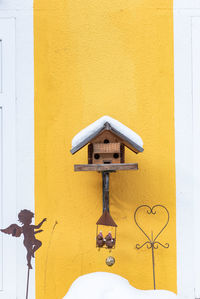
(82, 137)
(111, 286)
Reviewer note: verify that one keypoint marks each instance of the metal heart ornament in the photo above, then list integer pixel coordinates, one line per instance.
(159, 215)
(152, 237)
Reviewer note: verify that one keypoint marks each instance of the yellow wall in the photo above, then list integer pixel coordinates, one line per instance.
(95, 58)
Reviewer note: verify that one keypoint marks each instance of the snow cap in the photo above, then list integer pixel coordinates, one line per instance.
(130, 138)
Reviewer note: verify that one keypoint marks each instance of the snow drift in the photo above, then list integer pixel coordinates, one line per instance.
(102, 285)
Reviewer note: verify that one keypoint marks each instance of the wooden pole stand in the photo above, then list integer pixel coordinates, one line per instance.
(105, 185)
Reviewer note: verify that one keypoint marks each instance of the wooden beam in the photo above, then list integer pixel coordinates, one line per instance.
(105, 167)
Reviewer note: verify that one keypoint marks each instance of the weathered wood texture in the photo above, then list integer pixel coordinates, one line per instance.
(107, 147)
(122, 153)
(106, 135)
(90, 153)
(105, 167)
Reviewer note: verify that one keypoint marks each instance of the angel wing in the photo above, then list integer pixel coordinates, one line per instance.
(13, 230)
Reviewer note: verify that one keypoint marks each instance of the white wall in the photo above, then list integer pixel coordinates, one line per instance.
(187, 116)
(22, 13)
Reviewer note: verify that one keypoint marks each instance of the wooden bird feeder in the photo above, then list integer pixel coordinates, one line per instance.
(106, 139)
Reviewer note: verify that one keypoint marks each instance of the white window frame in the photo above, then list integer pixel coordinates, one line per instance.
(21, 13)
(187, 143)
(8, 200)
(196, 143)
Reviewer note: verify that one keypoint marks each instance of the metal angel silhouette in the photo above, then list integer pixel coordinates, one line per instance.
(28, 230)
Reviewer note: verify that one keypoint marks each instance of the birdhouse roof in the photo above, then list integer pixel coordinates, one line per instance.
(129, 138)
(106, 219)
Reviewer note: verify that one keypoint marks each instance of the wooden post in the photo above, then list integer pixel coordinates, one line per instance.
(105, 181)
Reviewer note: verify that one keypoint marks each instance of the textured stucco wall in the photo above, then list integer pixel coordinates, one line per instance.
(95, 58)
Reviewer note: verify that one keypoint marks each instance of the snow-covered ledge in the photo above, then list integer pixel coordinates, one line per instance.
(102, 285)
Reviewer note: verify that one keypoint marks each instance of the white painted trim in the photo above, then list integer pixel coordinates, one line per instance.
(187, 143)
(184, 162)
(25, 134)
(8, 156)
(22, 12)
(196, 150)
(186, 4)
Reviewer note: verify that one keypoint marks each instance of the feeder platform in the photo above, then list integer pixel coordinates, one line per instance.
(106, 167)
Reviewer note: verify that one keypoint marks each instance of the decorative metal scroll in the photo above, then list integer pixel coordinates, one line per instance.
(152, 241)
